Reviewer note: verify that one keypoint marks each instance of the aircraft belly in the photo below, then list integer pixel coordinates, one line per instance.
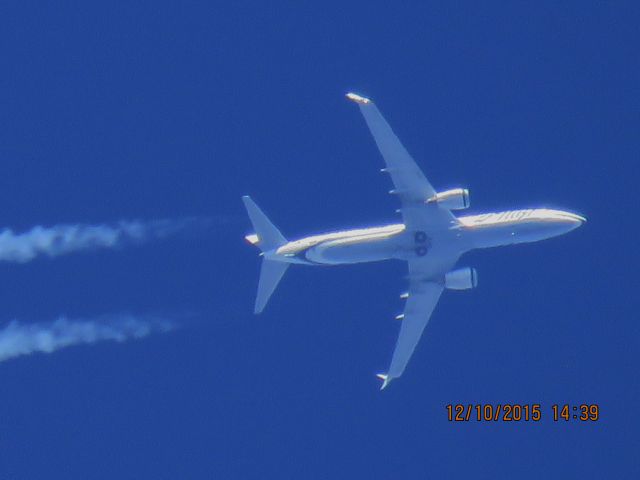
(339, 252)
(524, 232)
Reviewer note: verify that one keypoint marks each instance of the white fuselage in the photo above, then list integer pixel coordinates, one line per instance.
(395, 242)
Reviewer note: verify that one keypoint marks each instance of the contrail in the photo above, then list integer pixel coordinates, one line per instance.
(62, 239)
(18, 339)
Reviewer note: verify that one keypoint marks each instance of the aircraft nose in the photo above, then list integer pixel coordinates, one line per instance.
(572, 220)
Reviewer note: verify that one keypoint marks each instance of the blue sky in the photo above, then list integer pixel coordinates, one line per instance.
(154, 110)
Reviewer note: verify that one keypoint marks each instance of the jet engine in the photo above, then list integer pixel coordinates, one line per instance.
(461, 279)
(456, 199)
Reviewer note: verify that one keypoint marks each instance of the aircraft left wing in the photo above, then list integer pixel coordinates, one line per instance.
(420, 304)
(426, 283)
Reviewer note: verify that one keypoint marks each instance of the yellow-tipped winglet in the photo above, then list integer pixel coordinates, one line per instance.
(386, 380)
(253, 239)
(357, 98)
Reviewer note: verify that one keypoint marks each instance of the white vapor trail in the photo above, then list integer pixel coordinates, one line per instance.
(18, 339)
(62, 239)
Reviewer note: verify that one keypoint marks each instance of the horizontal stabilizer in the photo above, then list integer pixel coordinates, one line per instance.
(270, 275)
(267, 236)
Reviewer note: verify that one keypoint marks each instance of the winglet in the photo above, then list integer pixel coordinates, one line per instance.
(386, 379)
(357, 98)
(253, 239)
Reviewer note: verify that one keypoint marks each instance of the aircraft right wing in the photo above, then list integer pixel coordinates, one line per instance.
(411, 186)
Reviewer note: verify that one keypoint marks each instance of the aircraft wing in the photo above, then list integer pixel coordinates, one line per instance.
(411, 186)
(425, 287)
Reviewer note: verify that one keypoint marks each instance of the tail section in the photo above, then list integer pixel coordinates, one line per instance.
(267, 238)
(271, 273)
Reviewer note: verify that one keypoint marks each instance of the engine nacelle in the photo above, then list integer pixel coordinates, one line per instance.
(461, 279)
(456, 199)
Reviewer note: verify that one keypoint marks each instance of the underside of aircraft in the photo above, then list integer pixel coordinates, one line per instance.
(430, 239)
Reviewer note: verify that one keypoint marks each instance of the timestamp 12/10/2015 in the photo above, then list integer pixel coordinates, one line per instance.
(525, 412)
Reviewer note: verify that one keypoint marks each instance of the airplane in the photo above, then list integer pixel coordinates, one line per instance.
(430, 239)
